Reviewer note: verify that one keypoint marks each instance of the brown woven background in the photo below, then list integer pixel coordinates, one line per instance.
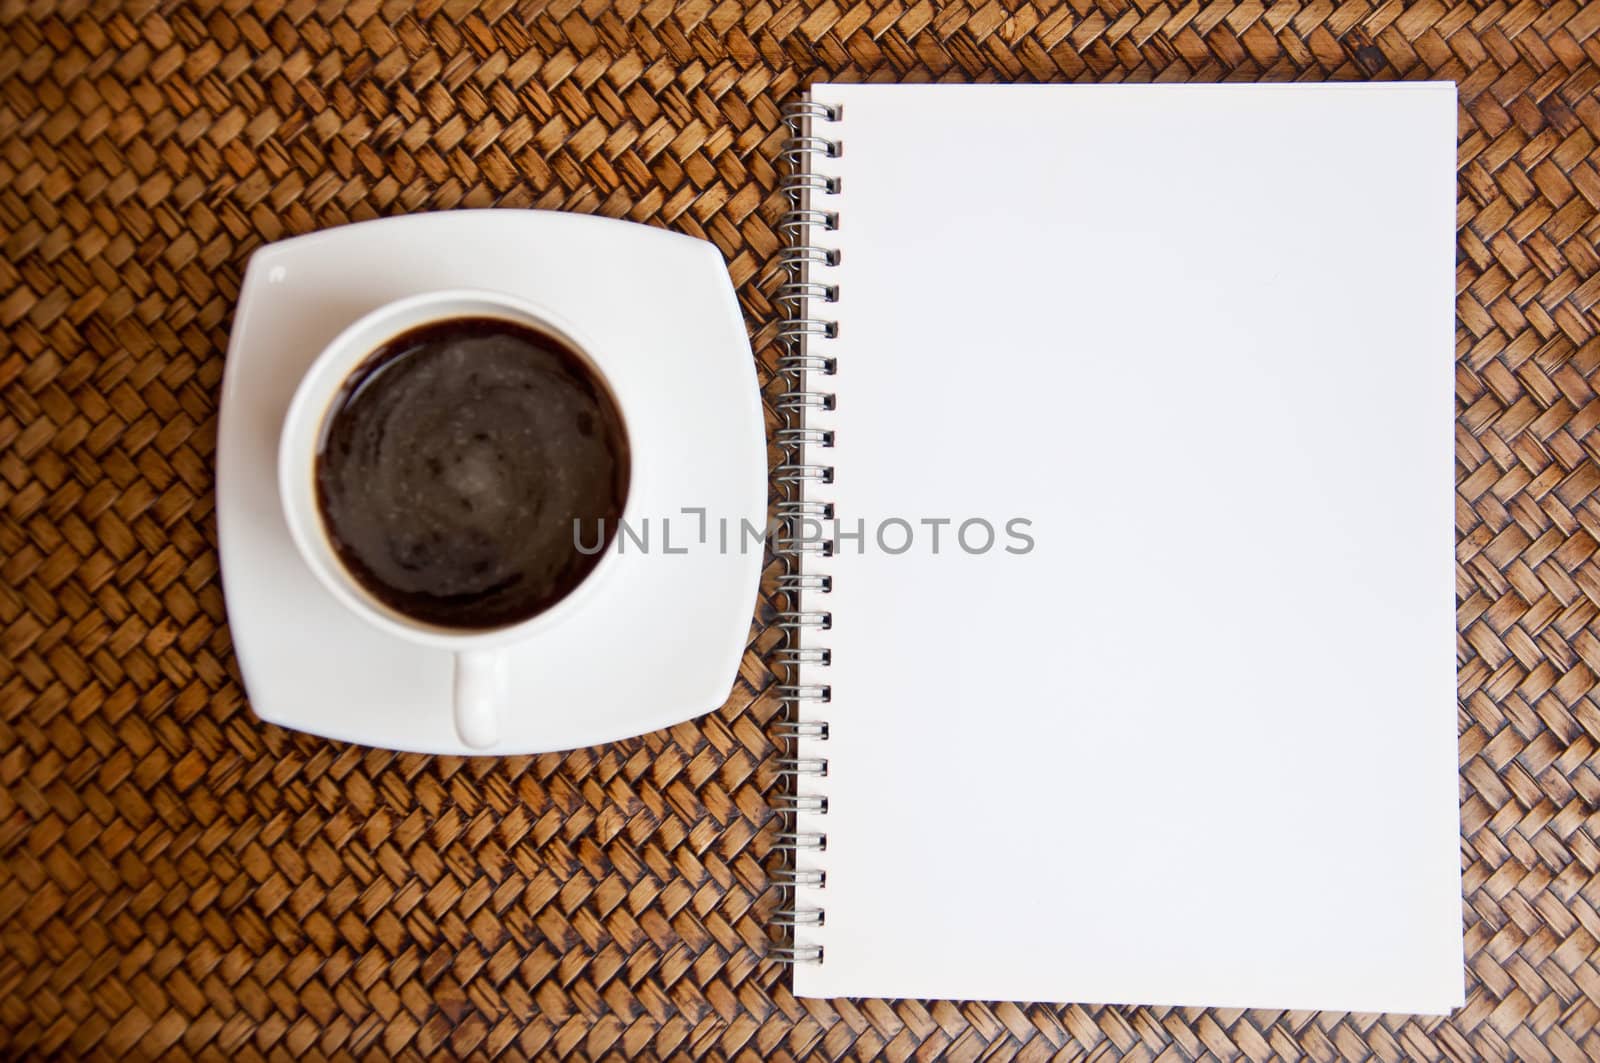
(177, 878)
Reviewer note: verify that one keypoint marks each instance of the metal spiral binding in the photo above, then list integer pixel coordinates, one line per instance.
(800, 516)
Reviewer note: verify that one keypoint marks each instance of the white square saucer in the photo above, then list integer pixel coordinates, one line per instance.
(660, 641)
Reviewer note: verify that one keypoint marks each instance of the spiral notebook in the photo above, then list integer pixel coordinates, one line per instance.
(1119, 499)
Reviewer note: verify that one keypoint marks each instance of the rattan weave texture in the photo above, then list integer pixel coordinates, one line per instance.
(178, 879)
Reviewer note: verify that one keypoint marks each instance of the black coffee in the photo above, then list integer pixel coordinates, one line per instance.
(454, 463)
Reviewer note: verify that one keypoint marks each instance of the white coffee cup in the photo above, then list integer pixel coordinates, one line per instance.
(481, 657)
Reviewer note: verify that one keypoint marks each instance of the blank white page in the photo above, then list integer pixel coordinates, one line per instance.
(1197, 746)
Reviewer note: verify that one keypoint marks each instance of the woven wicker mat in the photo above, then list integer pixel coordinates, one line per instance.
(178, 878)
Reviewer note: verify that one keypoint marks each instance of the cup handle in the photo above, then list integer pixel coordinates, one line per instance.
(479, 689)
